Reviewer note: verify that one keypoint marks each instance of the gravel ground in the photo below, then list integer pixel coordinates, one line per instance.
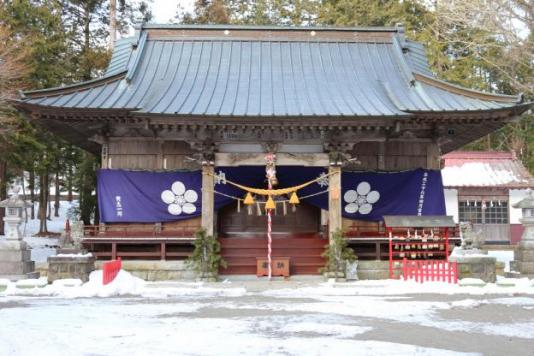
(297, 320)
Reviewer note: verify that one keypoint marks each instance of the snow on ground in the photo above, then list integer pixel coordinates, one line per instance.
(56, 225)
(42, 247)
(503, 256)
(260, 317)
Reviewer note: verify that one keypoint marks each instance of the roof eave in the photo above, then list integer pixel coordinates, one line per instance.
(34, 94)
(475, 94)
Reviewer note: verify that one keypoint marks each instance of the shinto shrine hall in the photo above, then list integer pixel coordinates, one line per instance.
(186, 116)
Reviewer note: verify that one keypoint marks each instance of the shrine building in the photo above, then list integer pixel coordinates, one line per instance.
(186, 118)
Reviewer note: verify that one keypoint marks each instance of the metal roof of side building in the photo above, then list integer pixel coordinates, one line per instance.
(250, 71)
(485, 169)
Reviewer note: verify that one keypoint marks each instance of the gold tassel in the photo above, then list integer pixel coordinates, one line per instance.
(259, 208)
(270, 204)
(238, 205)
(294, 199)
(284, 207)
(249, 200)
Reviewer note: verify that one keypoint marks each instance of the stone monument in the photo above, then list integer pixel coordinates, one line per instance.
(15, 257)
(524, 252)
(473, 261)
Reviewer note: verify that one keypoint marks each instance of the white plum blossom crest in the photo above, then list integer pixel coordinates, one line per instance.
(360, 200)
(179, 199)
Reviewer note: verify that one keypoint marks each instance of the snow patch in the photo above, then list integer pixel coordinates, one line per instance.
(338, 330)
(73, 255)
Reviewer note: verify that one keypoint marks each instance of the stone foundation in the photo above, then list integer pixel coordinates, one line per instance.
(63, 267)
(15, 261)
(373, 269)
(157, 270)
(480, 267)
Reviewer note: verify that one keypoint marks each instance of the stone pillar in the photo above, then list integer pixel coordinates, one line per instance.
(334, 200)
(208, 201)
(524, 251)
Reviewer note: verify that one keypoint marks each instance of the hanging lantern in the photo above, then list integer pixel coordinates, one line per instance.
(248, 199)
(294, 199)
(270, 204)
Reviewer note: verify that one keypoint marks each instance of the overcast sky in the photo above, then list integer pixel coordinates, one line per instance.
(165, 10)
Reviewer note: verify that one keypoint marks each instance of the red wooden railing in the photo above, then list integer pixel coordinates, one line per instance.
(110, 270)
(430, 270)
(381, 231)
(136, 231)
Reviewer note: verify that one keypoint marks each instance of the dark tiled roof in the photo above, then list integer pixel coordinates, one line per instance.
(218, 75)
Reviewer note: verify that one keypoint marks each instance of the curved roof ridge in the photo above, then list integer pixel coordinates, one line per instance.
(71, 88)
(154, 26)
(471, 93)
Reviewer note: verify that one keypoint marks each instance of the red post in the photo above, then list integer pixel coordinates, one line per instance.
(446, 244)
(390, 253)
(405, 268)
(455, 266)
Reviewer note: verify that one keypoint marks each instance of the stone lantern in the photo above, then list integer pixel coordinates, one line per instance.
(15, 257)
(524, 252)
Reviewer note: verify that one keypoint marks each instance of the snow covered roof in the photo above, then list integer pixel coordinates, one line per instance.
(484, 169)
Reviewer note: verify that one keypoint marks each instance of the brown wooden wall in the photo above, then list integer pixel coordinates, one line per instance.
(148, 154)
(397, 155)
(158, 155)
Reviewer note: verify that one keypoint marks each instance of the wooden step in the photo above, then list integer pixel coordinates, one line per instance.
(295, 270)
(231, 260)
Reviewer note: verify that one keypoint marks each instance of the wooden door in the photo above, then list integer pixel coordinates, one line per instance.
(305, 220)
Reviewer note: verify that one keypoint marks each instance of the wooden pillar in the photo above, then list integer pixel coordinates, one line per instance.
(208, 207)
(334, 200)
(433, 156)
(381, 161)
(104, 163)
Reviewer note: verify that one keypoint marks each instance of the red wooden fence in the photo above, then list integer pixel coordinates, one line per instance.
(430, 270)
(110, 270)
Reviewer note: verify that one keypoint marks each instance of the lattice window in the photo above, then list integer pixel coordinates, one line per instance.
(470, 211)
(496, 212)
(488, 212)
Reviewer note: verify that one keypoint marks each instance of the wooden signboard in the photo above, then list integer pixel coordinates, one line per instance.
(280, 266)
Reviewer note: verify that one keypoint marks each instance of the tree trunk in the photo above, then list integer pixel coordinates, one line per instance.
(31, 185)
(57, 195)
(43, 203)
(24, 195)
(87, 39)
(3, 192)
(112, 23)
(69, 183)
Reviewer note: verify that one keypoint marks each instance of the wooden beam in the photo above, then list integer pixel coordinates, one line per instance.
(208, 199)
(334, 200)
(282, 159)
